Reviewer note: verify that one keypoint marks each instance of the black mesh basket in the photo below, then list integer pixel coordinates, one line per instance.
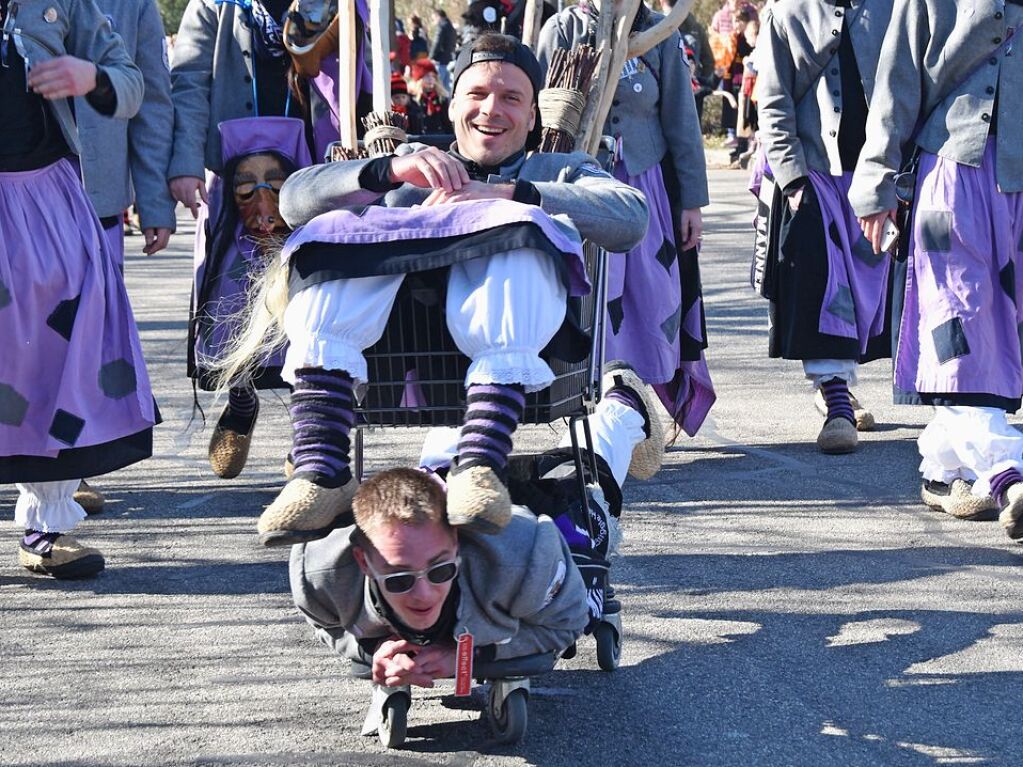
(417, 374)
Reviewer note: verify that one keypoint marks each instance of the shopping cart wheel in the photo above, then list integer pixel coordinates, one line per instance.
(609, 645)
(508, 716)
(394, 721)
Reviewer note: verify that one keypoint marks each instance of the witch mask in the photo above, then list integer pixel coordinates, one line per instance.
(257, 186)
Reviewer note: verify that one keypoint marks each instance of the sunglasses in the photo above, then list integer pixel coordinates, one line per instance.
(246, 189)
(402, 583)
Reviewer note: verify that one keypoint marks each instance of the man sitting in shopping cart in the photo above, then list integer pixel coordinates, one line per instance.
(506, 223)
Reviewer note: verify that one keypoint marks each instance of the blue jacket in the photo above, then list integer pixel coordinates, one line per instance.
(125, 161)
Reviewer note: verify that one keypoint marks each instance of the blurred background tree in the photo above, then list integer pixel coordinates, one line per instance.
(171, 11)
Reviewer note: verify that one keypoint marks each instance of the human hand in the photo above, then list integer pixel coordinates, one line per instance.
(873, 228)
(691, 228)
(795, 198)
(156, 239)
(471, 190)
(62, 77)
(398, 662)
(429, 169)
(183, 189)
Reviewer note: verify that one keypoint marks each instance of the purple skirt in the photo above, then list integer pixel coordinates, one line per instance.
(828, 289)
(960, 329)
(856, 294)
(75, 398)
(655, 311)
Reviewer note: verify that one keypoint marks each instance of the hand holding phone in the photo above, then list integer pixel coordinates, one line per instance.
(889, 236)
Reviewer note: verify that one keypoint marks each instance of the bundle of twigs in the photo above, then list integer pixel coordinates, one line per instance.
(563, 99)
(385, 131)
(338, 152)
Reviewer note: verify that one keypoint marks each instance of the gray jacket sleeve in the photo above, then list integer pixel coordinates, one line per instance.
(551, 38)
(191, 78)
(681, 125)
(550, 601)
(777, 105)
(319, 189)
(327, 588)
(604, 210)
(150, 131)
(92, 39)
(894, 108)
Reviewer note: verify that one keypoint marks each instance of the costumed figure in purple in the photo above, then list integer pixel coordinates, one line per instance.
(655, 314)
(75, 399)
(943, 144)
(498, 229)
(244, 235)
(238, 59)
(827, 287)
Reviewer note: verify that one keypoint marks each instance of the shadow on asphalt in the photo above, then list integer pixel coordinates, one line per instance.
(701, 574)
(767, 699)
(762, 699)
(200, 577)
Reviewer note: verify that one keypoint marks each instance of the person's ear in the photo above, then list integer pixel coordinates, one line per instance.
(360, 559)
(532, 115)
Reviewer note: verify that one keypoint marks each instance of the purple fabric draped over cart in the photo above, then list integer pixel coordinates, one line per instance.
(962, 319)
(73, 375)
(648, 316)
(377, 224)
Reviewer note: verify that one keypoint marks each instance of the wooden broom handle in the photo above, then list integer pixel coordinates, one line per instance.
(347, 62)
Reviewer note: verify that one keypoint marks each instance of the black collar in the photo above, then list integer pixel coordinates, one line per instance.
(441, 632)
(479, 172)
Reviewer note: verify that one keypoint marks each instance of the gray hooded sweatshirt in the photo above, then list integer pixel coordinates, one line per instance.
(519, 591)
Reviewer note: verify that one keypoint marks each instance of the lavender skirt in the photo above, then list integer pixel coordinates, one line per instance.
(962, 316)
(75, 399)
(655, 315)
(829, 290)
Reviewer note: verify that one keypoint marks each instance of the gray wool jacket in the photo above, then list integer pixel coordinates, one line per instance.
(77, 29)
(942, 63)
(520, 591)
(125, 161)
(800, 79)
(654, 110)
(211, 82)
(605, 211)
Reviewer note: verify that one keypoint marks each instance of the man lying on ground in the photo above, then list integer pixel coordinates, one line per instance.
(398, 588)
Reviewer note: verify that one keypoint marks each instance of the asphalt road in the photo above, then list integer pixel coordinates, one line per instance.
(781, 607)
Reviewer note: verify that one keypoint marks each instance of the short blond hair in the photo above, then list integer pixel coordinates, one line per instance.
(402, 496)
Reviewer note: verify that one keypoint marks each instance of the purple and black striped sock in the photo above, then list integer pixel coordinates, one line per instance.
(322, 419)
(38, 542)
(494, 412)
(836, 396)
(242, 406)
(1001, 481)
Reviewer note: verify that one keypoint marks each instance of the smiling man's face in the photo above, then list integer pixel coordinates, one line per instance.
(492, 111)
(397, 548)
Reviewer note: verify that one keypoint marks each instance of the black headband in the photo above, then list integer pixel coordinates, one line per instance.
(519, 56)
